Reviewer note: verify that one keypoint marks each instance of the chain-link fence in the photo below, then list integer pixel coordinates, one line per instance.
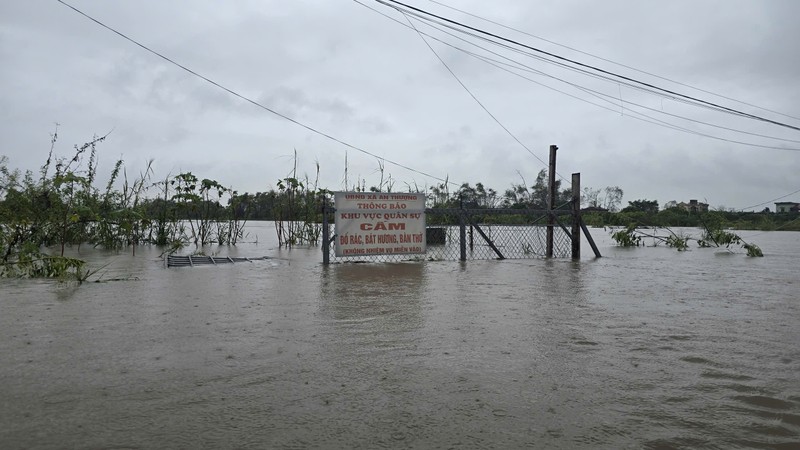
(480, 234)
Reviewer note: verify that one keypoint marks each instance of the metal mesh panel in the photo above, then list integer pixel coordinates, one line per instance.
(517, 242)
(444, 244)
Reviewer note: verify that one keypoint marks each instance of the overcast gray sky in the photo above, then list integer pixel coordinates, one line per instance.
(347, 71)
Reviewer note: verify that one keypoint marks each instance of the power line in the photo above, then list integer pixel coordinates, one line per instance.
(494, 62)
(458, 79)
(471, 94)
(247, 99)
(581, 67)
(422, 36)
(434, 23)
(611, 61)
(770, 201)
(588, 66)
(599, 95)
(562, 64)
(411, 25)
(651, 120)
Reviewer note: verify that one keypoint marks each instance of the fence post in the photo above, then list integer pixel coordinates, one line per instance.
(551, 201)
(471, 238)
(576, 216)
(326, 244)
(462, 231)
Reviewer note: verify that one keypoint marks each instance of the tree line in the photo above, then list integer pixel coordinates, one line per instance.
(646, 213)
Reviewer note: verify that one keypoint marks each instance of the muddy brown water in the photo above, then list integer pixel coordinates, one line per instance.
(643, 348)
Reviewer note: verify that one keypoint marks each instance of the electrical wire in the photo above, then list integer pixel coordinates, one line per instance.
(472, 94)
(461, 83)
(433, 23)
(422, 36)
(248, 100)
(411, 25)
(313, 130)
(590, 67)
(600, 95)
(649, 119)
(595, 93)
(634, 83)
(610, 61)
(770, 201)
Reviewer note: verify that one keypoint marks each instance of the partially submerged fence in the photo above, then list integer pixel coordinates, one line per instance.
(473, 234)
(451, 234)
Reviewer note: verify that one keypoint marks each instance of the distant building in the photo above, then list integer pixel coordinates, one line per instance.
(594, 209)
(693, 206)
(785, 207)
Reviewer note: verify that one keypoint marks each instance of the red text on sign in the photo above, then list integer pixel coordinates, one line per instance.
(382, 226)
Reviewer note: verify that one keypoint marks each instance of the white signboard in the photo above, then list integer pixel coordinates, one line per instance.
(378, 223)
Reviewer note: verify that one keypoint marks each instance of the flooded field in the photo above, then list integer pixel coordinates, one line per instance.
(643, 348)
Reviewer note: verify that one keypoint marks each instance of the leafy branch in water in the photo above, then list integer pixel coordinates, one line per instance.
(627, 237)
(713, 233)
(679, 242)
(713, 236)
(631, 236)
(39, 265)
(752, 250)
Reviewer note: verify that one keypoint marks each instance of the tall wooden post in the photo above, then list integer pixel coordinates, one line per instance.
(462, 230)
(471, 238)
(551, 201)
(326, 244)
(576, 216)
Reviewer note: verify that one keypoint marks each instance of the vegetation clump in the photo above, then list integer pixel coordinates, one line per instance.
(627, 237)
(44, 213)
(713, 235)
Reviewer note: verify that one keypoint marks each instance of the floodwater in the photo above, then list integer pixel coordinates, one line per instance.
(644, 348)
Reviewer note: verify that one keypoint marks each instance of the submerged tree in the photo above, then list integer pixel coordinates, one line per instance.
(519, 196)
(43, 214)
(298, 210)
(57, 209)
(713, 235)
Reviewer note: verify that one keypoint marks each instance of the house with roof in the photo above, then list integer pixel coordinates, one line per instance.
(787, 207)
(693, 206)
